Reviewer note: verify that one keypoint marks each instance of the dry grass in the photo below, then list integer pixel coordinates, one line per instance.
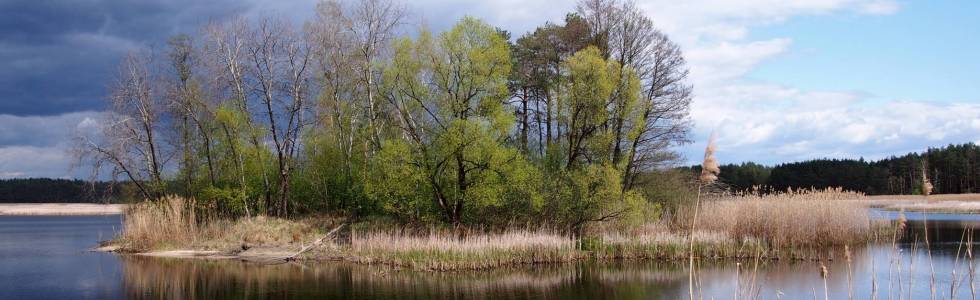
(659, 241)
(806, 218)
(172, 223)
(730, 227)
(168, 222)
(444, 251)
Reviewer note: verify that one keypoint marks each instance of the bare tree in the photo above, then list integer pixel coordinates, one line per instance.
(630, 37)
(367, 27)
(223, 56)
(279, 61)
(129, 144)
(665, 107)
(190, 122)
(603, 16)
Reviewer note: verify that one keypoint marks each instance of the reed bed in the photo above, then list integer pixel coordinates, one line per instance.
(442, 251)
(771, 226)
(170, 222)
(173, 223)
(658, 241)
(793, 219)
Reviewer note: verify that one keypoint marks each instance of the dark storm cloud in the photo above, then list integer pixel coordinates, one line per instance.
(57, 56)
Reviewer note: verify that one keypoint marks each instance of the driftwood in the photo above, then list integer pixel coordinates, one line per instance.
(292, 257)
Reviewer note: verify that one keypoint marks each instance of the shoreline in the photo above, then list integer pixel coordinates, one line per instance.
(945, 203)
(60, 209)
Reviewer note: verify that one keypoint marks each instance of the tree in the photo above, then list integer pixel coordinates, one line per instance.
(537, 80)
(129, 143)
(353, 40)
(363, 29)
(449, 93)
(279, 60)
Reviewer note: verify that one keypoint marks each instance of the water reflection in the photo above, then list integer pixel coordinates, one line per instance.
(881, 269)
(196, 279)
(45, 258)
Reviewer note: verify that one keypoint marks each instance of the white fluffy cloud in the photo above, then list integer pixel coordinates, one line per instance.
(771, 124)
(763, 121)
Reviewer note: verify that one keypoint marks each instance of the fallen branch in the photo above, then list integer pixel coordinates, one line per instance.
(292, 257)
(318, 242)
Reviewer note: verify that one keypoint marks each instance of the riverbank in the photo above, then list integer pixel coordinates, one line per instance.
(956, 203)
(60, 209)
(803, 225)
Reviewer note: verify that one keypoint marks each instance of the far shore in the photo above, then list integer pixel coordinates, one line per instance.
(60, 209)
(946, 203)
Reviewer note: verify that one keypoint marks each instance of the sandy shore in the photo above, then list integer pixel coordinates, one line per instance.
(59, 209)
(962, 203)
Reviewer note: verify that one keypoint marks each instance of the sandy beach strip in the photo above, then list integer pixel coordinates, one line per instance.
(60, 209)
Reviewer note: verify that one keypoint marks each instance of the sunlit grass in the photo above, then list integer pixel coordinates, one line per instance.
(805, 218)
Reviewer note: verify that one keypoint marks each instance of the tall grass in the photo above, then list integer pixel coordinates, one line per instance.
(742, 226)
(168, 222)
(659, 241)
(445, 251)
(173, 222)
(805, 218)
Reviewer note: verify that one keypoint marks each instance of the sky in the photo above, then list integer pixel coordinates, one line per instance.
(775, 80)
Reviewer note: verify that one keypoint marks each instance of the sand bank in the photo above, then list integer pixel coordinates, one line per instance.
(60, 209)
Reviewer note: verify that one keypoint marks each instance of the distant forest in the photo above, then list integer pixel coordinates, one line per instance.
(953, 169)
(47, 190)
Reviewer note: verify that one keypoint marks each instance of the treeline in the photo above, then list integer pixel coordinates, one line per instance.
(346, 114)
(953, 169)
(47, 190)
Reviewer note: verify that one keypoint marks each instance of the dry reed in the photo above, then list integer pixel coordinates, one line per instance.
(926, 184)
(805, 218)
(709, 174)
(168, 222)
(172, 223)
(444, 251)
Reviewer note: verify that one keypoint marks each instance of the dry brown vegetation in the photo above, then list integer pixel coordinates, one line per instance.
(172, 223)
(803, 218)
(731, 226)
(445, 251)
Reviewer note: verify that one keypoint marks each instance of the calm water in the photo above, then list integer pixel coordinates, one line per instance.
(46, 258)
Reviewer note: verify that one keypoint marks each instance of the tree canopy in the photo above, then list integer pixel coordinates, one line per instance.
(348, 114)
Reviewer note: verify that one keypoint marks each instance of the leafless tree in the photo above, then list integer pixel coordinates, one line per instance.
(224, 58)
(665, 107)
(279, 65)
(603, 16)
(129, 143)
(367, 28)
(629, 36)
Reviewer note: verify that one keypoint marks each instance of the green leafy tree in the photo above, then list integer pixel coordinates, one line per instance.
(449, 93)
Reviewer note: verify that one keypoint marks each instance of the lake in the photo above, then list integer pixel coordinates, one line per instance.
(47, 258)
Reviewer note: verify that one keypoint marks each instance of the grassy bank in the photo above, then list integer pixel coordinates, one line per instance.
(798, 225)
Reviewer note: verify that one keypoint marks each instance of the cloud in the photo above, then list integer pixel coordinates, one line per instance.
(56, 57)
(38, 146)
(880, 8)
(772, 124)
(41, 131)
(32, 161)
(727, 60)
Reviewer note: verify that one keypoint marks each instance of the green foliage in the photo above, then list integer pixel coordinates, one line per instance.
(426, 133)
(668, 189)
